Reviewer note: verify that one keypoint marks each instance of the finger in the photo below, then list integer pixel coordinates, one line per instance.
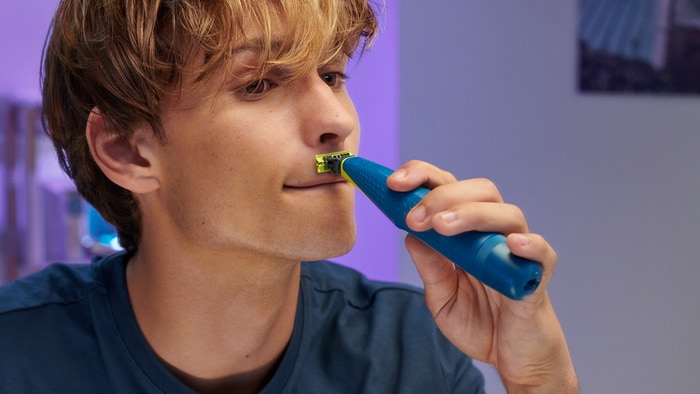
(534, 247)
(417, 173)
(436, 272)
(450, 198)
(478, 189)
(467, 216)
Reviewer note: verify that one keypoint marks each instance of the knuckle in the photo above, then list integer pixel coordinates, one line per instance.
(489, 187)
(517, 213)
(448, 177)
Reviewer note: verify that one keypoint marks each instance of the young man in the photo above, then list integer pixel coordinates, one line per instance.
(191, 125)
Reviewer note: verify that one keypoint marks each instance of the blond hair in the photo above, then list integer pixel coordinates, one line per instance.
(125, 57)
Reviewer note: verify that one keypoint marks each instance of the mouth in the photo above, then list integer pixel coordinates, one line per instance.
(316, 183)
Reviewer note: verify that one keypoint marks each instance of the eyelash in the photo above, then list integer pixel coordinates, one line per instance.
(257, 89)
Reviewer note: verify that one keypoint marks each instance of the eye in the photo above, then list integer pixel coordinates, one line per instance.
(257, 88)
(334, 79)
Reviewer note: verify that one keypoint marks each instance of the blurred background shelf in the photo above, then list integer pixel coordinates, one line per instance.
(42, 217)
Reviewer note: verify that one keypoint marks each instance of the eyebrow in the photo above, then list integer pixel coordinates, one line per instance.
(256, 44)
(238, 68)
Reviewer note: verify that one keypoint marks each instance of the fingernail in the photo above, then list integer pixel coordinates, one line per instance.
(448, 217)
(419, 213)
(521, 239)
(400, 174)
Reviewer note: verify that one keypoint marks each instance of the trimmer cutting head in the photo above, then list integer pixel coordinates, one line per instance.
(330, 162)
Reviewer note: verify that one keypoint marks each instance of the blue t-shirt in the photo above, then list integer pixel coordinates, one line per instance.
(71, 329)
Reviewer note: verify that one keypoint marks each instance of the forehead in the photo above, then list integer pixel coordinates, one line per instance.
(297, 35)
(261, 48)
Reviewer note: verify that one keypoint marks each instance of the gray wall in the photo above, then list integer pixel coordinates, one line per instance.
(488, 89)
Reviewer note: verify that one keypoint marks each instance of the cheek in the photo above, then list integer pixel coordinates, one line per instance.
(191, 185)
(216, 193)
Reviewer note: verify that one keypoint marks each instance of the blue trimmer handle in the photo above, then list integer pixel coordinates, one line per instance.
(483, 255)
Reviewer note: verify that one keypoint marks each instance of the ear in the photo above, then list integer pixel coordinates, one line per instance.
(127, 162)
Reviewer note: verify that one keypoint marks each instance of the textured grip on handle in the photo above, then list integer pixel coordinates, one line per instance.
(483, 255)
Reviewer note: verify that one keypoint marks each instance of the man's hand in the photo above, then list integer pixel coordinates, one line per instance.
(522, 339)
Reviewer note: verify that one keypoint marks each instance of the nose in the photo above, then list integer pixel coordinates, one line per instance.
(327, 113)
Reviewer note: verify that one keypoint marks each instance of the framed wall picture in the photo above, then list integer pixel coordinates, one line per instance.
(650, 46)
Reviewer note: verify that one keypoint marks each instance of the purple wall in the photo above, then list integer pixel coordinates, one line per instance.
(373, 85)
(23, 26)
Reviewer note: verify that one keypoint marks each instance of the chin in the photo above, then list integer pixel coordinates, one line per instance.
(329, 246)
(339, 252)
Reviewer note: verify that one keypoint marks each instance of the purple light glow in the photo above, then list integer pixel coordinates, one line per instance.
(374, 87)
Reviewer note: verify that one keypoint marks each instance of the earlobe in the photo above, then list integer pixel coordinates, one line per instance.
(128, 162)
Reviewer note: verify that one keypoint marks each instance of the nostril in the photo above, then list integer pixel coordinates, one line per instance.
(328, 137)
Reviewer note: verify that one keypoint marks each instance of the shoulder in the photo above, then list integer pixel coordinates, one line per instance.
(47, 324)
(56, 284)
(60, 294)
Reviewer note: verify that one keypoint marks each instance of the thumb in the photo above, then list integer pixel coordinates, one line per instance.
(438, 274)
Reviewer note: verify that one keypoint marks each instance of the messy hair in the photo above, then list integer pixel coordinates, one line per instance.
(126, 57)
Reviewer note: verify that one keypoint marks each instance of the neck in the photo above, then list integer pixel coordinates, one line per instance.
(217, 321)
